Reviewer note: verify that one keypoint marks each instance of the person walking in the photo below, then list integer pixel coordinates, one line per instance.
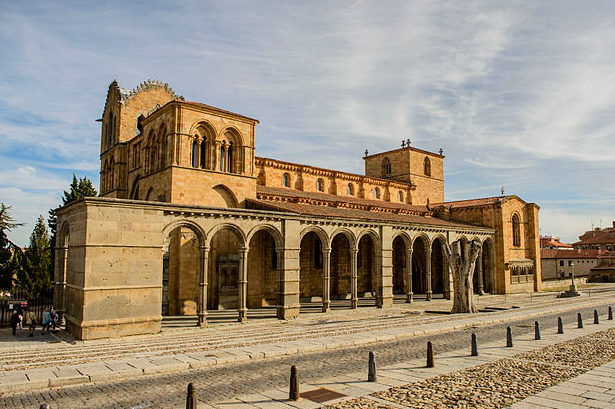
(46, 320)
(14, 320)
(54, 319)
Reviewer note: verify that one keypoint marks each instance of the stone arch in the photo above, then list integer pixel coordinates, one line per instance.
(420, 247)
(236, 230)
(368, 261)
(134, 191)
(439, 268)
(342, 244)
(352, 241)
(427, 166)
(264, 259)
(152, 152)
(150, 194)
(275, 233)
(488, 265)
(516, 229)
(231, 153)
(204, 137)
(227, 197)
(322, 235)
(162, 137)
(182, 267)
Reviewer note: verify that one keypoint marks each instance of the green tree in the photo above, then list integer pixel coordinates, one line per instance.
(10, 253)
(79, 188)
(35, 276)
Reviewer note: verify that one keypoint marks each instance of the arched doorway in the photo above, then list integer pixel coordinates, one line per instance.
(311, 270)
(419, 265)
(399, 266)
(366, 261)
(437, 267)
(227, 290)
(263, 271)
(487, 266)
(340, 267)
(181, 269)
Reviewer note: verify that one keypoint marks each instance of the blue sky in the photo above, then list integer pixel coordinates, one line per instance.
(518, 94)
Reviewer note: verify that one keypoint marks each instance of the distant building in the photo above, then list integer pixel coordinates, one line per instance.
(597, 239)
(550, 242)
(560, 263)
(605, 270)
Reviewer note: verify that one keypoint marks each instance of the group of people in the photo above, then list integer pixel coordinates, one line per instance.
(49, 322)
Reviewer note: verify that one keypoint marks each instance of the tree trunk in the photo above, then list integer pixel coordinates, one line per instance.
(462, 267)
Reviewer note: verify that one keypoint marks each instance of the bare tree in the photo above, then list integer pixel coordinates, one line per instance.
(462, 266)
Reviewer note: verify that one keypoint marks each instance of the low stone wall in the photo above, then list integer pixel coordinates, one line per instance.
(559, 283)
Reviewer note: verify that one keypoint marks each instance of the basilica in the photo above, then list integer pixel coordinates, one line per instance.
(190, 220)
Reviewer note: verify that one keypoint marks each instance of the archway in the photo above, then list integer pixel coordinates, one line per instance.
(419, 265)
(438, 280)
(227, 290)
(262, 271)
(340, 267)
(486, 264)
(366, 261)
(181, 264)
(311, 269)
(399, 266)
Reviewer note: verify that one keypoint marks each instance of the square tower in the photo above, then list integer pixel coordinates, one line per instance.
(423, 169)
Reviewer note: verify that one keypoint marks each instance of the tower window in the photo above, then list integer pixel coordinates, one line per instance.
(376, 193)
(195, 154)
(286, 180)
(386, 166)
(427, 167)
(350, 189)
(204, 154)
(516, 230)
(400, 196)
(319, 185)
(222, 159)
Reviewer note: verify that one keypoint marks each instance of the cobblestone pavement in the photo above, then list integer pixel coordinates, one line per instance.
(514, 379)
(221, 383)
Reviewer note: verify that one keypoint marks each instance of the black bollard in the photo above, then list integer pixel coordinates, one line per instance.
(293, 394)
(536, 330)
(610, 314)
(596, 320)
(560, 325)
(474, 346)
(371, 368)
(509, 341)
(191, 397)
(430, 363)
(579, 321)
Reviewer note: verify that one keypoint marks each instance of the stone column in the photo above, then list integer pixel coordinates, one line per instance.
(354, 278)
(326, 282)
(409, 275)
(243, 285)
(479, 271)
(428, 292)
(203, 266)
(60, 282)
(215, 148)
(280, 302)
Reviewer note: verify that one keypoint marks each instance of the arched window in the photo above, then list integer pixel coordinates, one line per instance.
(286, 180)
(400, 196)
(195, 154)
(350, 189)
(427, 166)
(153, 154)
(516, 230)
(386, 166)
(222, 159)
(376, 193)
(204, 153)
(319, 186)
(231, 164)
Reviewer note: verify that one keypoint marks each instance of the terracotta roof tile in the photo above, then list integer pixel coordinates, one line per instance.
(556, 253)
(473, 202)
(345, 213)
(552, 242)
(602, 237)
(224, 111)
(263, 192)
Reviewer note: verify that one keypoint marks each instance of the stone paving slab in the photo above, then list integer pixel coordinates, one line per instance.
(595, 388)
(121, 368)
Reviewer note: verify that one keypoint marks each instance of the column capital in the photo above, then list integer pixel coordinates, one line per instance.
(326, 251)
(204, 248)
(244, 250)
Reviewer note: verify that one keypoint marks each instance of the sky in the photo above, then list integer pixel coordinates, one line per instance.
(519, 95)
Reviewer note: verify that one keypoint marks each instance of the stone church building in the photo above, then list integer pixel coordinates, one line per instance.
(189, 219)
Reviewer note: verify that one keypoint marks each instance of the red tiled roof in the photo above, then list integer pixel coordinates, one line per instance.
(473, 202)
(345, 213)
(604, 266)
(552, 242)
(596, 237)
(555, 253)
(263, 192)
